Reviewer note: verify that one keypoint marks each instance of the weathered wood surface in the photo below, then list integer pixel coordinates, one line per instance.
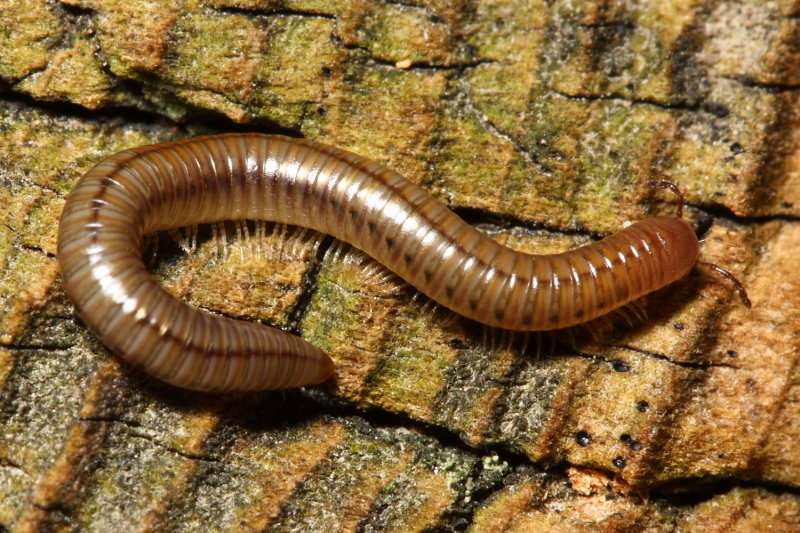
(540, 121)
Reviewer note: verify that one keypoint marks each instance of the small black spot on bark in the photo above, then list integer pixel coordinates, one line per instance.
(642, 406)
(583, 438)
(456, 344)
(449, 291)
(619, 462)
(737, 148)
(732, 353)
(717, 109)
(678, 326)
(631, 443)
(389, 243)
(619, 366)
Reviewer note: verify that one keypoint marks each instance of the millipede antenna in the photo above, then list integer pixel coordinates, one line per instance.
(675, 190)
(730, 277)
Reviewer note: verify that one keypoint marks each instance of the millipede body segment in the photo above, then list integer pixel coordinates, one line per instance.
(294, 181)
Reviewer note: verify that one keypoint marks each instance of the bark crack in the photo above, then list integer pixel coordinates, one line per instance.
(135, 429)
(682, 364)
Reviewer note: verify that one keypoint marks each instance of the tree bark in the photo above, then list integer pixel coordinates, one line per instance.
(537, 121)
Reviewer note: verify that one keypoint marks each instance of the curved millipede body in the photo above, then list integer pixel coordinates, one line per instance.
(252, 176)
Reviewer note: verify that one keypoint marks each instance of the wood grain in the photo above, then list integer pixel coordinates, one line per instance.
(536, 121)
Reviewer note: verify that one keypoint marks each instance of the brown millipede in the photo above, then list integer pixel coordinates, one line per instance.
(269, 177)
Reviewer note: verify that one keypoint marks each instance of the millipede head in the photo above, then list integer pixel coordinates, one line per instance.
(653, 184)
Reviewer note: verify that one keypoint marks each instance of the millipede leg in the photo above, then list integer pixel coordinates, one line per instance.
(526, 337)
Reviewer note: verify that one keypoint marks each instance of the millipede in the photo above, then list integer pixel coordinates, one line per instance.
(295, 181)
